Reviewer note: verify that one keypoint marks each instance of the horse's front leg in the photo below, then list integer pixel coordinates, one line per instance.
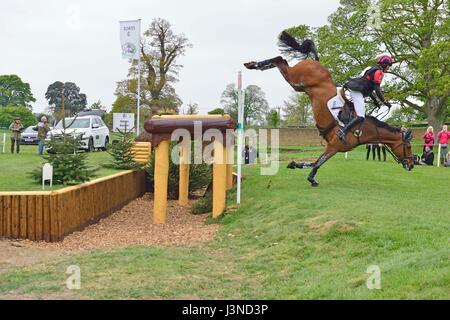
(322, 159)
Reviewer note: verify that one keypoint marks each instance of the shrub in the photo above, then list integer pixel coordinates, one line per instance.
(199, 175)
(203, 205)
(122, 153)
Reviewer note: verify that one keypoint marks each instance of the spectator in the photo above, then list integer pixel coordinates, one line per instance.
(428, 137)
(250, 154)
(444, 137)
(447, 162)
(376, 148)
(16, 128)
(427, 157)
(42, 128)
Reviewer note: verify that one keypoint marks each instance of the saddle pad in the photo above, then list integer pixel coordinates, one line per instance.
(335, 105)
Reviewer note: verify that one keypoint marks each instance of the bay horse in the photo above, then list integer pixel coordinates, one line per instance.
(315, 80)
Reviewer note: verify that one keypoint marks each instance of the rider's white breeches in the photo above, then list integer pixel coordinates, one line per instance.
(358, 101)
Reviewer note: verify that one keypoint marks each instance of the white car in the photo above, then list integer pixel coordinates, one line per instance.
(92, 129)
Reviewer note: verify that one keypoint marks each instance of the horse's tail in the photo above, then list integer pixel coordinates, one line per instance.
(288, 44)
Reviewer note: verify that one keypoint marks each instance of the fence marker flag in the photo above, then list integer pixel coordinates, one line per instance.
(130, 39)
(130, 33)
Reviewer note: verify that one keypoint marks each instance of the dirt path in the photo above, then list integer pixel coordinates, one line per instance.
(132, 225)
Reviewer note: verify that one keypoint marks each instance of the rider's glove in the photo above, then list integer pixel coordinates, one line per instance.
(388, 104)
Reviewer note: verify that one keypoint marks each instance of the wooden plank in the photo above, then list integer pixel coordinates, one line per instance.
(54, 236)
(2, 217)
(39, 212)
(31, 218)
(23, 213)
(47, 217)
(15, 218)
(8, 215)
(60, 199)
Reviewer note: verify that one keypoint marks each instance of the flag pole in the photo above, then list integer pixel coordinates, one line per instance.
(139, 82)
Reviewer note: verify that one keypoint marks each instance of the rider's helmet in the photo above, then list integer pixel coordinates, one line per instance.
(385, 60)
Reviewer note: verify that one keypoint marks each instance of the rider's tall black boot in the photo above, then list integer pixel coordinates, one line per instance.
(341, 133)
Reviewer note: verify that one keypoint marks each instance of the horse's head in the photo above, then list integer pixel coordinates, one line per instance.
(403, 151)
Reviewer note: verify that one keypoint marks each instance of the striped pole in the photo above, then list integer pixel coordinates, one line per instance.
(240, 128)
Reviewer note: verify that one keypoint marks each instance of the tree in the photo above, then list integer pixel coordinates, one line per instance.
(70, 166)
(192, 108)
(298, 110)
(255, 103)
(7, 115)
(14, 92)
(122, 152)
(97, 105)
(217, 111)
(404, 116)
(123, 104)
(421, 45)
(74, 101)
(273, 118)
(414, 32)
(160, 49)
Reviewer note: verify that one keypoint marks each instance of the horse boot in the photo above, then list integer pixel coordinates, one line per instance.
(261, 65)
(343, 131)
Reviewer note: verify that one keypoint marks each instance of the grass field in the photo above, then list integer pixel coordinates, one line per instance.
(14, 168)
(286, 241)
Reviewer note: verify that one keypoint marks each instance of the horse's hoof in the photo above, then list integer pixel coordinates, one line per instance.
(291, 165)
(251, 65)
(314, 183)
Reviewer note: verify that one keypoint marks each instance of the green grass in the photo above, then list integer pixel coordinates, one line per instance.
(287, 241)
(14, 168)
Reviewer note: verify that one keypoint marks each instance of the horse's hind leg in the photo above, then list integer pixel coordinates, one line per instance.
(322, 159)
(265, 64)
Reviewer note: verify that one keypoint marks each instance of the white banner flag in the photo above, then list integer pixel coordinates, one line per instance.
(130, 38)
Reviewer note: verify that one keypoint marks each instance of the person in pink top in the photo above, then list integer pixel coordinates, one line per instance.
(428, 138)
(444, 138)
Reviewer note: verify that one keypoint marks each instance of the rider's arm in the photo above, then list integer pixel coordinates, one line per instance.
(379, 92)
(375, 101)
(377, 79)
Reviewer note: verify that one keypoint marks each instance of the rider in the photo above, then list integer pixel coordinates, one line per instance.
(364, 86)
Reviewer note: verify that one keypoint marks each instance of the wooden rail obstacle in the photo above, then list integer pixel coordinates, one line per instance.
(161, 128)
(51, 215)
(142, 151)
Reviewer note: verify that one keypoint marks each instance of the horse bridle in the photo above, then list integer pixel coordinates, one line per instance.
(391, 150)
(404, 144)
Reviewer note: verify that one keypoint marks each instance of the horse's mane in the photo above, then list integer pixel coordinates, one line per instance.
(381, 124)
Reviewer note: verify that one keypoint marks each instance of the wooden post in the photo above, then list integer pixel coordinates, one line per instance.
(161, 181)
(183, 192)
(219, 179)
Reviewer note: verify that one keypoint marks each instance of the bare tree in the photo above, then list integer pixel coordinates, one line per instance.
(160, 48)
(192, 108)
(256, 106)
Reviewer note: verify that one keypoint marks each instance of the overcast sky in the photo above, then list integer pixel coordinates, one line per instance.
(78, 40)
